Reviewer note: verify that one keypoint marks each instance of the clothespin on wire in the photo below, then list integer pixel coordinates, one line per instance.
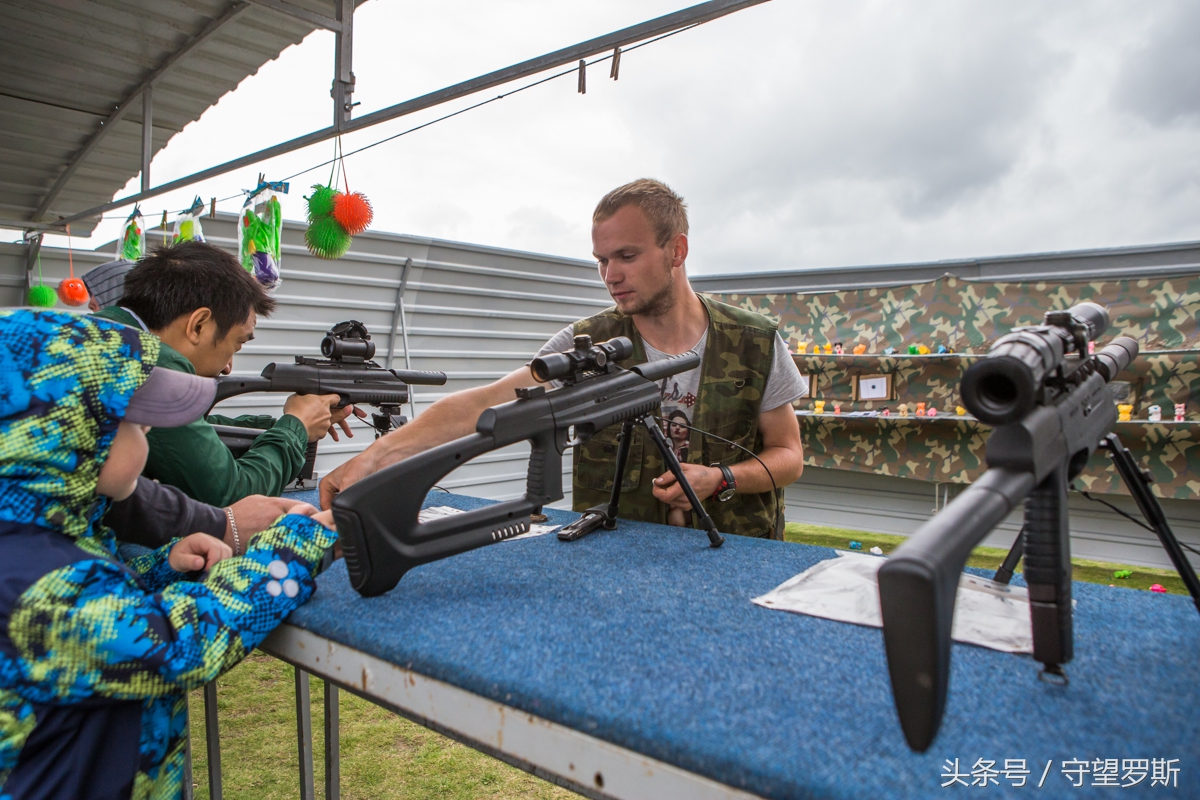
(582, 76)
(212, 208)
(615, 70)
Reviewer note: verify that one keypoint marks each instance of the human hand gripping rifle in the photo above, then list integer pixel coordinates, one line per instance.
(347, 371)
(1053, 407)
(377, 517)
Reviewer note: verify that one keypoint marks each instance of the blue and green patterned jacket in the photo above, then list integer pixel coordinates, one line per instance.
(97, 654)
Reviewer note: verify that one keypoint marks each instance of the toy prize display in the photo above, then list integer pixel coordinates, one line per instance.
(335, 217)
(132, 244)
(72, 290)
(259, 228)
(187, 225)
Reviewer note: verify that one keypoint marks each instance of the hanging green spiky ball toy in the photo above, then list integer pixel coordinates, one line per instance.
(321, 203)
(42, 296)
(326, 238)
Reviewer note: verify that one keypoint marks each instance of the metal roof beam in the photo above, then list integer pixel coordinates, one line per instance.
(694, 15)
(312, 18)
(209, 30)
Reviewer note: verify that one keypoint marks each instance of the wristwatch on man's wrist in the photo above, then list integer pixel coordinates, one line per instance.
(727, 487)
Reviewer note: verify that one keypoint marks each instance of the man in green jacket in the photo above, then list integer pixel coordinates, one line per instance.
(742, 391)
(203, 306)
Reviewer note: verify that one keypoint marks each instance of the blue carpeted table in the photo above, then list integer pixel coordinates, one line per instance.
(645, 638)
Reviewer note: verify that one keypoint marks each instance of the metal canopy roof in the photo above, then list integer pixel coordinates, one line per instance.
(72, 75)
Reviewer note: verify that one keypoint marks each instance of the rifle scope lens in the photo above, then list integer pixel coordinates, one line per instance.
(338, 349)
(999, 390)
(1092, 315)
(550, 367)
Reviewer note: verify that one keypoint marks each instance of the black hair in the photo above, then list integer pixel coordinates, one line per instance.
(671, 417)
(174, 281)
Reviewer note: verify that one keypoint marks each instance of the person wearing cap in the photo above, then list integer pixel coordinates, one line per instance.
(97, 653)
(106, 283)
(203, 306)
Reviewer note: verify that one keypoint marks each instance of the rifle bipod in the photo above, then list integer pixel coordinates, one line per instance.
(606, 516)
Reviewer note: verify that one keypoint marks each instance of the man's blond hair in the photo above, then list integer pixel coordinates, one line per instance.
(665, 210)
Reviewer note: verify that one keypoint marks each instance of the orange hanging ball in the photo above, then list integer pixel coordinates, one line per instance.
(353, 212)
(72, 292)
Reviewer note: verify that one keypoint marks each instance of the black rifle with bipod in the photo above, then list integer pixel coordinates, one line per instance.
(347, 371)
(1053, 408)
(377, 518)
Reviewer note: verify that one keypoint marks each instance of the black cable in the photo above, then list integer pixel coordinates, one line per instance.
(1129, 517)
(774, 486)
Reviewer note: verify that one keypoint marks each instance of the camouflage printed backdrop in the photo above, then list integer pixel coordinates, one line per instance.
(967, 316)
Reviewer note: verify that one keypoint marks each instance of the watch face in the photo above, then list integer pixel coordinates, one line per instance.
(726, 495)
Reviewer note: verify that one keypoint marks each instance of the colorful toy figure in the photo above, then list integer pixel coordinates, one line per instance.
(887, 412)
(1180, 412)
(942, 349)
(962, 412)
(902, 409)
(1123, 573)
(1155, 413)
(1159, 588)
(837, 408)
(856, 545)
(887, 351)
(828, 348)
(802, 347)
(922, 350)
(839, 348)
(859, 349)
(932, 412)
(819, 406)
(913, 350)
(920, 409)
(1124, 412)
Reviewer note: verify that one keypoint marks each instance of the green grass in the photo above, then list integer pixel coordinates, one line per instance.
(386, 756)
(382, 755)
(990, 557)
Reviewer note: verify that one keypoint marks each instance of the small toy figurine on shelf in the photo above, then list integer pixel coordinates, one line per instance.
(962, 412)
(839, 348)
(888, 351)
(920, 409)
(1124, 412)
(818, 406)
(887, 412)
(922, 350)
(1155, 413)
(932, 412)
(902, 409)
(802, 347)
(913, 350)
(859, 349)
(1180, 412)
(1091, 348)
(828, 348)
(837, 408)
(943, 350)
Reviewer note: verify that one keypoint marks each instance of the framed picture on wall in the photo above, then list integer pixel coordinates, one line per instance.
(873, 387)
(812, 385)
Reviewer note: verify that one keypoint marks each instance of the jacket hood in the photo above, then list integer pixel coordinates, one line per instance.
(65, 382)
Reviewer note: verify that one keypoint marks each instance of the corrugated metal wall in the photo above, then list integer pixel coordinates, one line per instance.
(475, 313)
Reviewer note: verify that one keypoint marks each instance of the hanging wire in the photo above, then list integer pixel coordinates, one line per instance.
(340, 155)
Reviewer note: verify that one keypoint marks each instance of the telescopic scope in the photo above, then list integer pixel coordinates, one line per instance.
(1004, 387)
(586, 357)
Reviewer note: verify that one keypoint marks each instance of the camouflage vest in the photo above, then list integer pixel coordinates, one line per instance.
(737, 360)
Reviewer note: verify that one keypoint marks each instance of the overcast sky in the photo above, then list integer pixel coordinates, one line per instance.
(801, 132)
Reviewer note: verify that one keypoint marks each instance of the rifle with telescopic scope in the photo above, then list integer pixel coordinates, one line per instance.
(1053, 407)
(377, 518)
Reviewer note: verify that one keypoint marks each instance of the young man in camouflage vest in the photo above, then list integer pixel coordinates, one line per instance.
(741, 392)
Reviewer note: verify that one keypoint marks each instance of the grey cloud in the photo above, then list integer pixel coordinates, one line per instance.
(1160, 82)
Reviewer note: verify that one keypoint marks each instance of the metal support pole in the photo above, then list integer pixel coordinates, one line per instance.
(147, 133)
(304, 735)
(212, 737)
(33, 245)
(333, 768)
(343, 61)
(398, 317)
(188, 788)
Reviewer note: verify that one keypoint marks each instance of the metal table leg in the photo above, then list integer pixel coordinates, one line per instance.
(187, 758)
(212, 735)
(304, 735)
(333, 767)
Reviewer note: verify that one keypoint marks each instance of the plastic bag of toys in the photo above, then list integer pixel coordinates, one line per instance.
(132, 244)
(187, 224)
(260, 226)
